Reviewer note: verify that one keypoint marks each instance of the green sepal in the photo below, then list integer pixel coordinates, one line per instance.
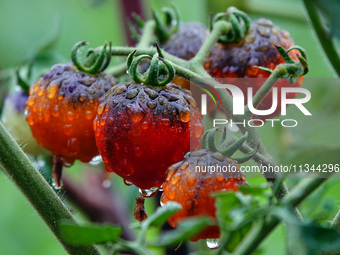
(159, 67)
(95, 63)
(235, 146)
(248, 156)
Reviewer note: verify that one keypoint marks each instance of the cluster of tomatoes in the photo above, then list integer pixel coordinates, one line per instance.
(143, 132)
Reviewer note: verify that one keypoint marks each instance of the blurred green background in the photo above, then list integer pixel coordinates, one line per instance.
(28, 25)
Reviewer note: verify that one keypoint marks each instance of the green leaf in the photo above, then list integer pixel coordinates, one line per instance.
(331, 10)
(186, 230)
(162, 214)
(237, 213)
(224, 203)
(308, 238)
(90, 234)
(255, 191)
(237, 236)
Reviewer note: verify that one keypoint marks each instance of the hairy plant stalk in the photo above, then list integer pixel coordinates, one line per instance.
(35, 188)
(323, 35)
(219, 29)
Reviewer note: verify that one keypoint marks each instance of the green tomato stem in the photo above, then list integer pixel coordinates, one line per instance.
(301, 191)
(45, 201)
(219, 29)
(148, 33)
(264, 89)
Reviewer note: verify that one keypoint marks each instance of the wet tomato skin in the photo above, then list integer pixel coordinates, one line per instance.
(61, 108)
(141, 130)
(192, 188)
(228, 63)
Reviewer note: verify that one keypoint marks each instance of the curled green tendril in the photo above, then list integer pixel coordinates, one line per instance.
(291, 70)
(303, 58)
(95, 62)
(288, 59)
(248, 156)
(294, 69)
(158, 69)
(240, 23)
(235, 146)
(211, 139)
(241, 16)
(208, 142)
(171, 23)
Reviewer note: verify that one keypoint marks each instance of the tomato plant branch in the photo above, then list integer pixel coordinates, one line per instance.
(323, 35)
(193, 70)
(220, 28)
(303, 189)
(264, 89)
(181, 67)
(297, 195)
(125, 51)
(32, 184)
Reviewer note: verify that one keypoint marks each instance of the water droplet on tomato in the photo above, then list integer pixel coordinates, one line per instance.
(127, 183)
(55, 111)
(73, 145)
(199, 129)
(135, 112)
(213, 243)
(184, 165)
(175, 178)
(82, 97)
(191, 180)
(184, 115)
(96, 160)
(101, 108)
(55, 186)
(88, 115)
(40, 92)
(166, 122)
(30, 101)
(145, 125)
(68, 129)
(138, 151)
(148, 192)
(70, 115)
(106, 184)
(52, 90)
